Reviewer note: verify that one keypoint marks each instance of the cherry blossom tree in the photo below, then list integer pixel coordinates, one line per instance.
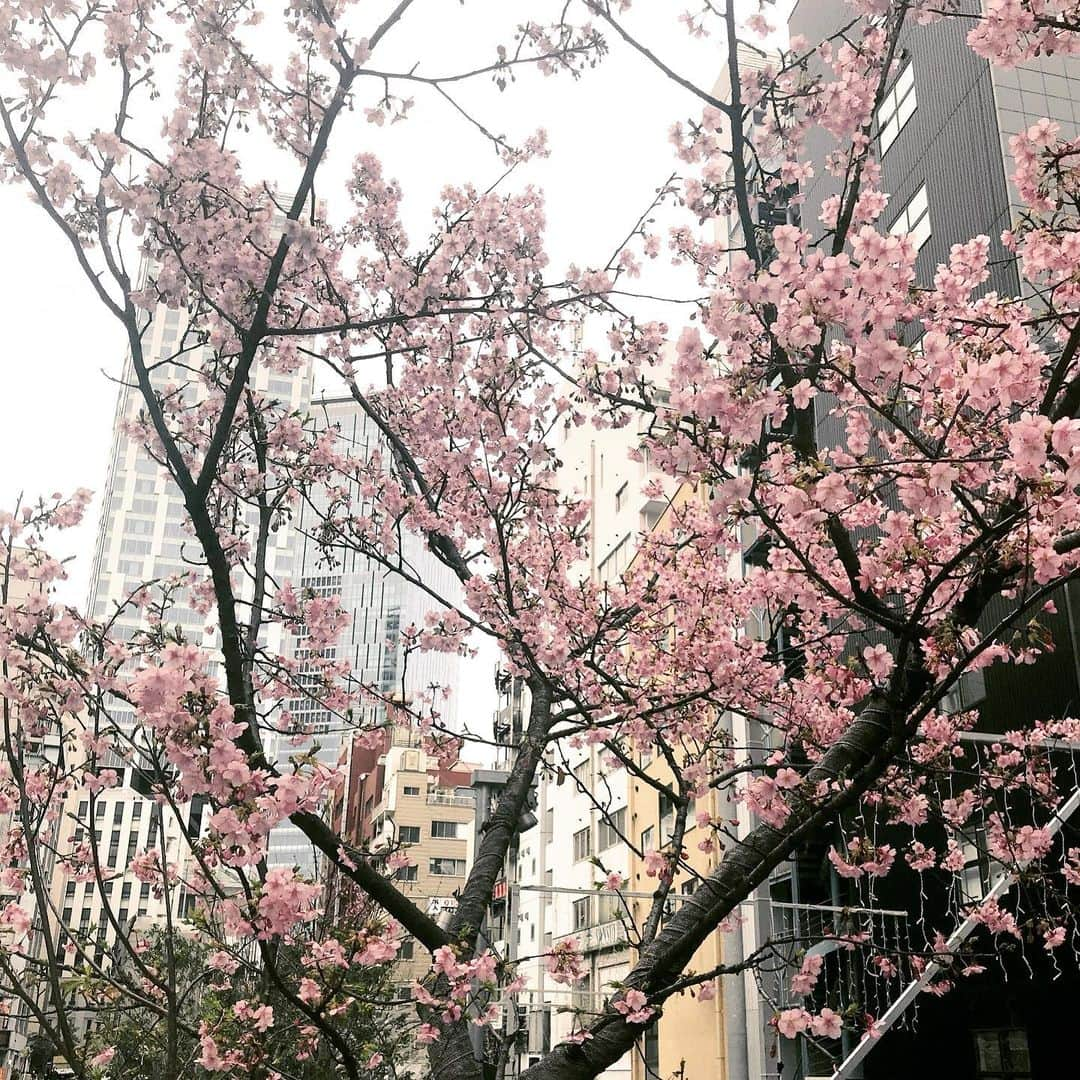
(928, 541)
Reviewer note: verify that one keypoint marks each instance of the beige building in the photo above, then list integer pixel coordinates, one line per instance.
(403, 799)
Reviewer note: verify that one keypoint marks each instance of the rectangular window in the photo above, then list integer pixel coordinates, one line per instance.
(582, 844)
(581, 913)
(897, 108)
(648, 839)
(446, 830)
(651, 1051)
(665, 805)
(620, 496)
(407, 873)
(914, 219)
(409, 790)
(405, 951)
(1002, 1054)
(609, 908)
(583, 774)
(446, 867)
(966, 693)
(616, 561)
(611, 829)
(409, 834)
(650, 516)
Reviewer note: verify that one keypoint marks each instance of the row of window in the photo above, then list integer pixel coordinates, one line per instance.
(612, 829)
(896, 109)
(437, 867)
(440, 830)
(609, 832)
(608, 909)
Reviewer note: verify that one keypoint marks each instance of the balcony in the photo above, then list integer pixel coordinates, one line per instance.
(865, 953)
(439, 798)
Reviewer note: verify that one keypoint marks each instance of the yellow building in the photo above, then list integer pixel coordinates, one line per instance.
(688, 1041)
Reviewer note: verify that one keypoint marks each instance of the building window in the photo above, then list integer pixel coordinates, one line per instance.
(446, 830)
(581, 913)
(966, 693)
(581, 997)
(405, 950)
(616, 561)
(665, 806)
(409, 834)
(609, 908)
(446, 867)
(651, 1050)
(620, 497)
(408, 790)
(611, 829)
(1002, 1054)
(651, 516)
(914, 219)
(648, 839)
(582, 844)
(897, 108)
(583, 774)
(407, 873)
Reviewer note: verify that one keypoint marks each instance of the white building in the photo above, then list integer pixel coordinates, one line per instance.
(582, 801)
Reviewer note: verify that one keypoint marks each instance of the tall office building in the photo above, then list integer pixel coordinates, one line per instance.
(142, 537)
(380, 605)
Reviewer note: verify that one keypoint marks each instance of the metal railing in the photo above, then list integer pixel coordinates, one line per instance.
(864, 951)
(436, 798)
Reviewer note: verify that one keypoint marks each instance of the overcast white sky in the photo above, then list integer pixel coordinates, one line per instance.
(610, 149)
